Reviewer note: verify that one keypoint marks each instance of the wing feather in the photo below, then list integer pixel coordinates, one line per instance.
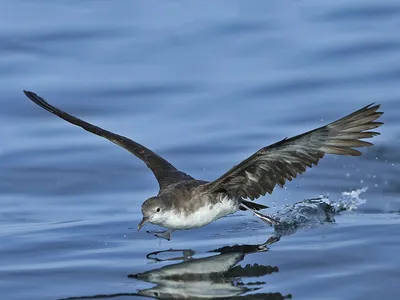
(284, 160)
(164, 172)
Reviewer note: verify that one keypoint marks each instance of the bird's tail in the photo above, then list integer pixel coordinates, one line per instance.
(252, 205)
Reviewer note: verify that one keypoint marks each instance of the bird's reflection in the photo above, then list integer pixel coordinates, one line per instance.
(220, 275)
(217, 276)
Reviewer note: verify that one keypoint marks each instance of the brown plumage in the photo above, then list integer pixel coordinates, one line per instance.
(165, 173)
(184, 202)
(274, 164)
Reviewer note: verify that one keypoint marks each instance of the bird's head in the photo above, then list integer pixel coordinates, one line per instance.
(154, 211)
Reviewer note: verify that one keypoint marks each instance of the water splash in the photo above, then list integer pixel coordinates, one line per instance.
(318, 210)
(350, 201)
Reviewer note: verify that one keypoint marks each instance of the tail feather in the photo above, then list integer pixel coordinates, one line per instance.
(252, 205)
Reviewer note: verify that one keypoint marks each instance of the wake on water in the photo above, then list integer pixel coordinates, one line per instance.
(317, 210)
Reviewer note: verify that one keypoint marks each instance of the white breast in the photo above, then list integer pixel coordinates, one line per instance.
(203, 216)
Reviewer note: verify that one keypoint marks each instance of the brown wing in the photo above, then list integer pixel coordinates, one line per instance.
(283, 160)
(164, 172)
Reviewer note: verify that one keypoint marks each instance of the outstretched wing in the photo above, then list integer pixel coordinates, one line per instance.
(164, 172)
(283, 160)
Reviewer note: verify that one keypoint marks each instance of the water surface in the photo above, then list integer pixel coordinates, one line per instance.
(205, 85)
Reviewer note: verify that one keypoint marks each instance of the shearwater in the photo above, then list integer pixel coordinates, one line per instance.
(184, 202)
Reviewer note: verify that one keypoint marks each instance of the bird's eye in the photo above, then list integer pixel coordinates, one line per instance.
(158, 209)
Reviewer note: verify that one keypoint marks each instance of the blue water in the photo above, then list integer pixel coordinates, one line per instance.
(205, 84)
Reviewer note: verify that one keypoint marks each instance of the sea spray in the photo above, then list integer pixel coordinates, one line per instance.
(317, 210)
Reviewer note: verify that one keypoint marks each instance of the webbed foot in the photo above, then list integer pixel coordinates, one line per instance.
(167, 235)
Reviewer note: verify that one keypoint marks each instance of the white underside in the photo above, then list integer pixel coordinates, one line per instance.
(202, 216)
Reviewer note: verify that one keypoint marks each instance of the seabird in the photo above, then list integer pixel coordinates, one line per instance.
(185, 203)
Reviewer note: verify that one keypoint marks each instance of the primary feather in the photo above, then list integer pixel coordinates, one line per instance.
(284, 160)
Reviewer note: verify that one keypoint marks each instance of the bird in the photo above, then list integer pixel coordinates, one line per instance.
(184, 202)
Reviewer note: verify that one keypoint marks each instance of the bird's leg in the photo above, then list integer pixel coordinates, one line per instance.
(162, 234)
(269, 220)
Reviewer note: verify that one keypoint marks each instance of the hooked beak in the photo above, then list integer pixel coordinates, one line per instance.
(144, 221)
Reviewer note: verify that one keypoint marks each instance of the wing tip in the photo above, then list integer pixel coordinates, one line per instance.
(373, 105)
(40, 101)
(32, 96)
(371, 108)
(29, 94)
